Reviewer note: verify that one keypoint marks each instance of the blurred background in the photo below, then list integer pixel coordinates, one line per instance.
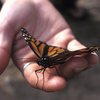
(86, 86)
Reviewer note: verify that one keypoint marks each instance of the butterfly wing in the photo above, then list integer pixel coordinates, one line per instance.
(67, 55)
(37, 46)
(40, 48)
(54, 51)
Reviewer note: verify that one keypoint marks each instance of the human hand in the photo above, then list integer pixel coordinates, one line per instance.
(45, 23)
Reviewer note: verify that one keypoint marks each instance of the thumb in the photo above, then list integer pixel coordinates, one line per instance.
(7, 33)
(6, 38)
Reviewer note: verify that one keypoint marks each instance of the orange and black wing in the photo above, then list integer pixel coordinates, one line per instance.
(35, 45)
(67, 55)
(40, 48)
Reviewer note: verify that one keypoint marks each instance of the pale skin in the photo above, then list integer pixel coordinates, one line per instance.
(45, 23)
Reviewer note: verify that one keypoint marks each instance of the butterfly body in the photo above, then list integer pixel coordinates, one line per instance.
(44, 61)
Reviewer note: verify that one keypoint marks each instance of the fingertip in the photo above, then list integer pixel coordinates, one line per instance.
(55, 83)
(92, 58)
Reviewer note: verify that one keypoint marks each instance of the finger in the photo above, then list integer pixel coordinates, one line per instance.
(76, 45)
(78, 64)
(73, 44)
(74, 67)
(6, 38)
(52, 82)
(92, 59)
(5, 48)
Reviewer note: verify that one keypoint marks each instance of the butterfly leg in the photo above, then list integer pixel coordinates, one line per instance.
(43, 77)
(39, 70)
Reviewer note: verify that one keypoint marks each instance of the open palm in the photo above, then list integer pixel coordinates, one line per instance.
(45, 23)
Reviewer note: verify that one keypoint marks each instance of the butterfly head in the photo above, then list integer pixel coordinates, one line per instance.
(23, 30)
(94, 48)
(26, 35)
(44, 61)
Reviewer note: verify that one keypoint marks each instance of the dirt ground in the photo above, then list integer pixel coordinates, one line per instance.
(86, 86)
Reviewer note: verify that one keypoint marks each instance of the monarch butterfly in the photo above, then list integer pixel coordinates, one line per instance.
(51, 55)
